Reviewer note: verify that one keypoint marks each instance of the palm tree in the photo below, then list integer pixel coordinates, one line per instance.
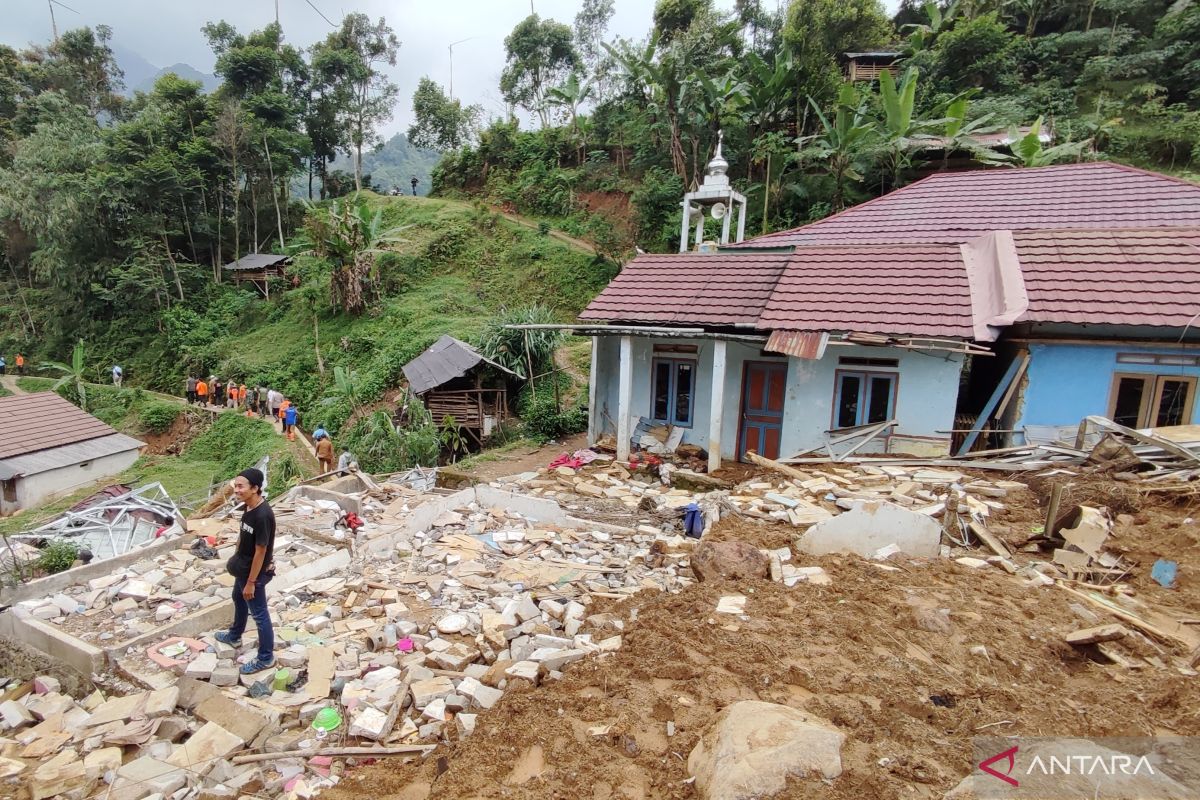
(71, 374)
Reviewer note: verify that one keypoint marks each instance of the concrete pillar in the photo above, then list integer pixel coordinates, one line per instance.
(683, 228)
(741, 234)
(725, 219)
(716, 406)
(624, 398)
(593, 409)
(700, 227)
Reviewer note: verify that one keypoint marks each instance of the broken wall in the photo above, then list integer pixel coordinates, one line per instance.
(1068, 382)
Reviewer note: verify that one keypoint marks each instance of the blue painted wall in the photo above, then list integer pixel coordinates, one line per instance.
(1067, 382)
(925, 400)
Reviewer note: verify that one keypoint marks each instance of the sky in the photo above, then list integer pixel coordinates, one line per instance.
(166, 32)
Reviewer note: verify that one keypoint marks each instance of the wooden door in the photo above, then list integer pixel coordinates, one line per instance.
(763, 387)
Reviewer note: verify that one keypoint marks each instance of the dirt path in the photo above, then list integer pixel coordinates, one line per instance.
(10, 382)
(524, 459)
(525, 222)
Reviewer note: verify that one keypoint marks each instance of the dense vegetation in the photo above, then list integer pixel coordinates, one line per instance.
(117, 214)
(1114, 79)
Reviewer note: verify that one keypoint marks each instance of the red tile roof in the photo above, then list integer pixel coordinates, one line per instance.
(1117, 277)
(952, 207)
(43, 420)
(690, 288)
(910, 289)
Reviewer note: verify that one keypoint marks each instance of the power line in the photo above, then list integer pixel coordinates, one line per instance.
(319, 12)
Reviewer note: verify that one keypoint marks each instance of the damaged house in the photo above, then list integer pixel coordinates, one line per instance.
(1016, 301)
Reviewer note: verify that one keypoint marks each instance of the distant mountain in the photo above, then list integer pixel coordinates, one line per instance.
(140, 74)
(137, 69)
(185, 71)
(395, 164)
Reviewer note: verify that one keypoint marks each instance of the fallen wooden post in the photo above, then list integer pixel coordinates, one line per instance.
(784, 469)
(1132, 619)
(403, 749)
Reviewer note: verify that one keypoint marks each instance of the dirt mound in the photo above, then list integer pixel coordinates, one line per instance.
(860, 652)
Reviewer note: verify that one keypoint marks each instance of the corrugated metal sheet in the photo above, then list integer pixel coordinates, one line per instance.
(446, 359)
(43, 420)
(65, 456)
(952, 207)
(801, 344)
(252, 261)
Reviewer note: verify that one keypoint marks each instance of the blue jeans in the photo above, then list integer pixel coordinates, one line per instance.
(257, 608)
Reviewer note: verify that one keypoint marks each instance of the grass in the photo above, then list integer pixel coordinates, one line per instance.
(31, 383)
(230, 445)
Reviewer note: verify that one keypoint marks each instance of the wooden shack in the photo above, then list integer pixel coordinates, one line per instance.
(454, 379)
(258, 269)
(869, 66)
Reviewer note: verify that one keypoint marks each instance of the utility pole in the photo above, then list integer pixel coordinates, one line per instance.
(276, 12)
(53, 24)
(451, 49)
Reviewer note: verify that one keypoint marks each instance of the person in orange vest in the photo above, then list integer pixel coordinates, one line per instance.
(283, 407)
(20, 364)
(202, 392)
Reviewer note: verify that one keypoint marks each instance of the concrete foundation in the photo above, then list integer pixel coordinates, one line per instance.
(51, 584)
(351, 505)
(88, 658)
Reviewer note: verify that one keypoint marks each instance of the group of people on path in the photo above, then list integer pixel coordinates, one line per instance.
(19, 362)
(259, 400)
(266, 403)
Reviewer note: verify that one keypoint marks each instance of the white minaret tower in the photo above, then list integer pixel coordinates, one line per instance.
(715, 197)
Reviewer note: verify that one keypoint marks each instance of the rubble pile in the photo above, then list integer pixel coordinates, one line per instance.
(142, 598)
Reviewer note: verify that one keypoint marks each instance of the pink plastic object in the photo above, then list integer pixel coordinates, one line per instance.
(406, 645)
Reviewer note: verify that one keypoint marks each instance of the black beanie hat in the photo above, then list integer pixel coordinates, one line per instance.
(253, 476)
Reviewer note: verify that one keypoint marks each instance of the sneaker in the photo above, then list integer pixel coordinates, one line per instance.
(224, 638)
(257, 665)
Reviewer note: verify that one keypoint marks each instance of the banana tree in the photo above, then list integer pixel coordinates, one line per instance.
(71, 374)
(961, 135)
(921, 36)
(350, 237)
(571, 96)
(843, 143)
(902, 135)
(1029, 151)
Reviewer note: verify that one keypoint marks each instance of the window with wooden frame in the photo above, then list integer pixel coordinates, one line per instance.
(673, 391)
(1140, 400)
(863, 398)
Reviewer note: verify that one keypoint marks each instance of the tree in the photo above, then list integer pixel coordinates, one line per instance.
(842, 144)
(673, 17)
(349, 63)
(590, 24)
(73, 374)
(441, 123)
(902, 134)
(817, 32)
(540, 54)
(349, 236)
(1029, 151)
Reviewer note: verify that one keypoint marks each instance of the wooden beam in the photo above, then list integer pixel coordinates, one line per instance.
(783, 469)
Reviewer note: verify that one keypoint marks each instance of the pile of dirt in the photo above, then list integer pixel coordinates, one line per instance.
(892, 658)
(175, 439)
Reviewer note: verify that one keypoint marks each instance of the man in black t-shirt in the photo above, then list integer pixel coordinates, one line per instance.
(252, 567)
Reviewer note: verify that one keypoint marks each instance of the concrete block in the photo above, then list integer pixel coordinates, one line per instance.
(871, 527)
(201, 666)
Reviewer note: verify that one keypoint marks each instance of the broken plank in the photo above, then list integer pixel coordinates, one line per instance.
(1100, 633)
(992, 543)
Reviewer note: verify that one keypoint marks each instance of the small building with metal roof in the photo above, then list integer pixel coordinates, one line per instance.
(52, 447)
